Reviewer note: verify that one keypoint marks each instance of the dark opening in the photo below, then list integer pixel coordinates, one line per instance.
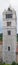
(8, 48)
(8, 15)
(9, 32)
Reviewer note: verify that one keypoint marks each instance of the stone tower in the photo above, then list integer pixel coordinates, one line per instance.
(9, 35)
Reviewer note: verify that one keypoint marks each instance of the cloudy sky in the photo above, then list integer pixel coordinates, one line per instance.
(4, 5)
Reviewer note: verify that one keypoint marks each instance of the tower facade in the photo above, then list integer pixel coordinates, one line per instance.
(9, 35)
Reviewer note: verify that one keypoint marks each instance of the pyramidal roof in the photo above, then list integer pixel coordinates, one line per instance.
(9, 9)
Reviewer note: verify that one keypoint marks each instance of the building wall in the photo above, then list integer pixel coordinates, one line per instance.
(17, 58)
(9, 40)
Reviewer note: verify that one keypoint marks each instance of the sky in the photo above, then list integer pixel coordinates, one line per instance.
(4, 5)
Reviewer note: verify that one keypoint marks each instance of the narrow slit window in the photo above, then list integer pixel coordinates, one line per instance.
(8, 48)
(9, 32)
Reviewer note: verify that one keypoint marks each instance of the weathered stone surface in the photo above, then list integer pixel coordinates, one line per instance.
(9, 40)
